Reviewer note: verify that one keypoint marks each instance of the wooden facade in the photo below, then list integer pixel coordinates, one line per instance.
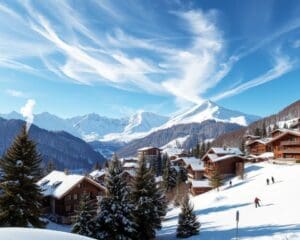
(195, 173)
(199, 190)
(62, 208)
(287, 145)
(257, 147)
(231, 165)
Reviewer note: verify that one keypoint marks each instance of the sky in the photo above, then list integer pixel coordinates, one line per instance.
(117, 57)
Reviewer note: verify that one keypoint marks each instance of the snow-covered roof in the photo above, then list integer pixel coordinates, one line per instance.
(263, 155)
(262, 141)
(288, 131)
(226, 150)
(195, 163)
(97, 173)
(147, 148)
(129, 159)
(158, 179)
(130, 165)
(57, 183)
(200, 183)
(13, 233)
(215, 158)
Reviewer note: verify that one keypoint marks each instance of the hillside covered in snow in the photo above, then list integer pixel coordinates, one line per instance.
(278, 217)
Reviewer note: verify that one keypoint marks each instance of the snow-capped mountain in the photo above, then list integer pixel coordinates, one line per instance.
(209, 110)
(93, 127)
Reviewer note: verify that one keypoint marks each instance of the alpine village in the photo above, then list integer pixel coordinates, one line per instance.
(144, 120)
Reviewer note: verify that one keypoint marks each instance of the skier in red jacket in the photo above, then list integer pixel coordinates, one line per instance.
(257, 202)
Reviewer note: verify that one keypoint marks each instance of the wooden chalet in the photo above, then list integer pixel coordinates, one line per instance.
(258, 146)
(62, 193)
(199, 186)
(130, 166)
(228, 161)
(286, 145)
(152, 155)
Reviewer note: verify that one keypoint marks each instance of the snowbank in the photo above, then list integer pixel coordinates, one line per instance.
(37, 234)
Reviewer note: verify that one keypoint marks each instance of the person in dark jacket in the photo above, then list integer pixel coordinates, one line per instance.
(273, 180)
(268, 181)
(257, 202)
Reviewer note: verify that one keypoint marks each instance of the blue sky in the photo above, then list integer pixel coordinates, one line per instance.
(117, 57)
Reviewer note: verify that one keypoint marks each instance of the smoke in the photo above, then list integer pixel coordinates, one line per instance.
(27, 112)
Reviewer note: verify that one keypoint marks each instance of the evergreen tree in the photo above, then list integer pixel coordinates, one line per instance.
(264, 130)
(215, 179)
(50, 166)
(97, 166)
(169, 176)
(285, 126)
(150, 203)
(188, 224)
(242, 146)
(257, 132)
(202, 150)
(20, 201)
(84, 224)
(115, 219)
(182, 174)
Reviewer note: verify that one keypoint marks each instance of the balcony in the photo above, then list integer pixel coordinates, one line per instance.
(293, 151)
(290, 143)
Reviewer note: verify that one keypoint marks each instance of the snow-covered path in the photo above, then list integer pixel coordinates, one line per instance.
(277, 218)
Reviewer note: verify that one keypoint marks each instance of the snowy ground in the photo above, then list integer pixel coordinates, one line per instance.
(37, 234)
(278, 218)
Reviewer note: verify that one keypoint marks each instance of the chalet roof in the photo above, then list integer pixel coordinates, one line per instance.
(57, 183)
(226, 150)
(195, 163)
(200, 183)
(280, 130)
(129, 159)
(130, 165)
(147, 148)
(251, 136)
(263, 141)
(97, 173)
(287, 131)
(215, 158)
(263, 155)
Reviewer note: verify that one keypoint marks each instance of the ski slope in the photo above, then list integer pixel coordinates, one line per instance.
(278, 217)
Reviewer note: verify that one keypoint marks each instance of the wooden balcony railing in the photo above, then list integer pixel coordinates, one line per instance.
(295, 151)
(290, 143)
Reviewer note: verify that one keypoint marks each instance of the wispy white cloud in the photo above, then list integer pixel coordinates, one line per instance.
(200, 67)
(76, 50)
(283, 65)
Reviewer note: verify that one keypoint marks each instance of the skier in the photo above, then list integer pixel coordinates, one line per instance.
(268, 181)
(230, 183)
(273, 180)
(257, 202)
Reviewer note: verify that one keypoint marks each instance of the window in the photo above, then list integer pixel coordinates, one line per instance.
(75, 196)
(68, 197)
(68, 208)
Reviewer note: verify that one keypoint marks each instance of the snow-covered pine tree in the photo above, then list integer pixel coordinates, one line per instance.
(215, 180)
(188, 224)
(85, 224)
(150, 203)
(169, 176)
(115, 219)
(20, 201)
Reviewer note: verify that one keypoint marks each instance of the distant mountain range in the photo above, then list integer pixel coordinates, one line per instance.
(65, 150)
(235, 138)
(125, 135)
